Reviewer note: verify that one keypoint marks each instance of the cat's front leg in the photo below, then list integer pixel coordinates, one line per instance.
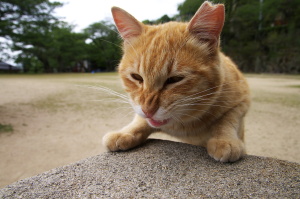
(226, 143)
(128, 137)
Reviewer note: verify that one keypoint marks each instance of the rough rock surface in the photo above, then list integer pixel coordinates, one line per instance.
(163, 169)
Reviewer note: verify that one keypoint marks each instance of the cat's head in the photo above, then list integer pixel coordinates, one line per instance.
(166, 69)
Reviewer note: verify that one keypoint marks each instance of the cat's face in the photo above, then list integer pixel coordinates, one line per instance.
(162, 69)
(170, 75)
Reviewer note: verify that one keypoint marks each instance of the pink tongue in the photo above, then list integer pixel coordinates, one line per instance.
(158, 123)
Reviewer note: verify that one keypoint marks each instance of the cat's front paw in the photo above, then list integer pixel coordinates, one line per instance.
(119, 141)
(225, 150)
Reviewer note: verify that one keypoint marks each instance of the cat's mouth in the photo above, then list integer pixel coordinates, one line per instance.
(156, 123)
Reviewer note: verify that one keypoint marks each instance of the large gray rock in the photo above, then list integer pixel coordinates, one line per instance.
(163, 169)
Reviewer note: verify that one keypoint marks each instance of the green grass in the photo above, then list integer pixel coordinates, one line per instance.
(294, 86)
(52, 103)
(6, 128)
(275, 76)
(289, 100)
(60, 75)
(80, 96)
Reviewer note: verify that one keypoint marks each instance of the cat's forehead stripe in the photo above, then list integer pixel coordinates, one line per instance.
(158, 57)
(159, 65)
(139, 65)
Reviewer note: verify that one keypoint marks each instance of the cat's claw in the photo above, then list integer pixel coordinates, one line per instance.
(225, 150)
(119, 141)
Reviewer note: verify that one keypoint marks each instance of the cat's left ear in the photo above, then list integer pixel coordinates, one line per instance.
(127, 25)
(208, 22)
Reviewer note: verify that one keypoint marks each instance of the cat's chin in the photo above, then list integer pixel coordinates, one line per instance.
(156, 123)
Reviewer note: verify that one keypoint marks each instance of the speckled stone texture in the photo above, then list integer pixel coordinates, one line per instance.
(163, 169)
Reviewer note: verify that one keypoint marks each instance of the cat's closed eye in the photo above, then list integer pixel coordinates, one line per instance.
(137, 77)
(174, 79)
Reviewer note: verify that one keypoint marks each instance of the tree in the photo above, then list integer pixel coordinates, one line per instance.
(260, 36)
(105, 47)
(46, 44)
(15, 13)
(188, 8)
(280, 30)
(57, 49)
(66, 49)
(18, 17)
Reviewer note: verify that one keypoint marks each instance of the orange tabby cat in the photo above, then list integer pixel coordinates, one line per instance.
(180, 83)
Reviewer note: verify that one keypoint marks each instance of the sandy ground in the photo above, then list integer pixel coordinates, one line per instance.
(56, 122)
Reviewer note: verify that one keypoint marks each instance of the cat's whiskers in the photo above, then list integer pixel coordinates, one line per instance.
(182, 110)
(110, 91)
(192, 100)
(128, 113)
(205, 104)
(177, 119)
(191, 97)
(110, 42)
(111, 100)
(122, 108)
(186, 107)
(195, 117)
(201, 97)
(110, 29)
(121, 98)
(187, 97)
(191, 116)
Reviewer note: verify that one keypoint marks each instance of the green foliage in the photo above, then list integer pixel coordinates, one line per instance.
(56, 48)
(20, 18)
(105, 47)
(163, 19)
(188, 8)
(14, 14)
(261, 36)
(30, 63)
(6, 128)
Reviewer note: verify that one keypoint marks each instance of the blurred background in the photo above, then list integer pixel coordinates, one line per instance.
(58, 59)
(261, 36)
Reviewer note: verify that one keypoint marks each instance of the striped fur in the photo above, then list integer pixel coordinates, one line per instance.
(180, 83)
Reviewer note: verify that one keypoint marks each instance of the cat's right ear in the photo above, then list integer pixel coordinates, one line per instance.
(208, 22)
(127, 25)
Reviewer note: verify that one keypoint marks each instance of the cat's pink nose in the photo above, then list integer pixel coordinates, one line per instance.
(148, 114)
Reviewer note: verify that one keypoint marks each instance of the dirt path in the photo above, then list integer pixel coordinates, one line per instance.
(55, 122)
